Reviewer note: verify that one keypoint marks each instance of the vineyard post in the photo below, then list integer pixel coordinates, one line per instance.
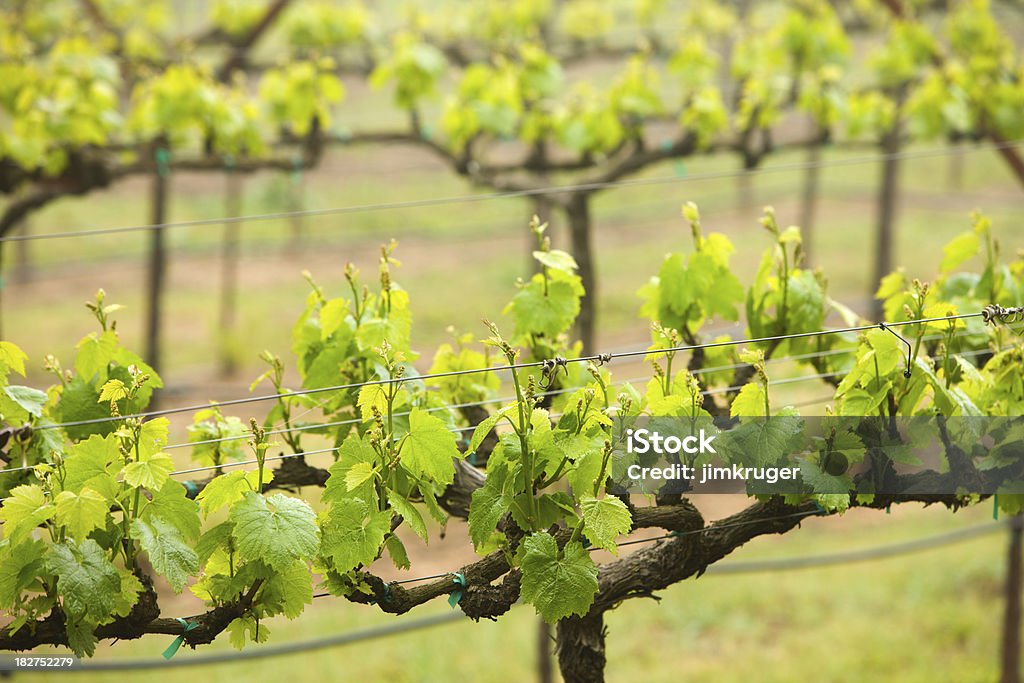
(2, 283)
(296, 201)
(22, 270)
(157, 258)
(957, 160)
(229, 269)
(577, 212)
(1011, 644)
(544, 670)
(809, 200)
(888, 196)
(540, 206)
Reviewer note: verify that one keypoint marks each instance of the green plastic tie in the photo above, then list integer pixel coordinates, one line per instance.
(456, 595)
(680, 169)
(297, 166)
(666, 144)
(888, 509)
(472, 458)
(821, 510)
(387, 595)
(173, 647)
(191, 488)
(427, 133)
(995, 506)
(162, 156)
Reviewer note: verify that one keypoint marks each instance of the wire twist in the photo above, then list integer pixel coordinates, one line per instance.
(994, 313)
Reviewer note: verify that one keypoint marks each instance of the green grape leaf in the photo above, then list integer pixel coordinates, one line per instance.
(149, 471)
(359, 474)
(129, 595)
(153, 435)
(26, 508)
(20, 564)
(81, 512)
(167, 551)
(172, 504)
(81, 637)
(888, 351)
(29, 399)
(11, 358)
(605, 519)
(487, 424)
(961, 248)
(113, 390)
(287, 591)
(94, 354)
(372, 396)
(859, 403)
(276, 530)
(429, 448)
(556, 259)
(763, 441)
(226, 489)
(750, 402)
(583, 476)
(90, 464)
(822, 482)
(409, 513)
(353, 451)
(86, 580)
(549, 314)
(558, 584)
(486, 507)
(332, 316)
(212, 540)
(353, 533)
(245, 628)
(397, 552)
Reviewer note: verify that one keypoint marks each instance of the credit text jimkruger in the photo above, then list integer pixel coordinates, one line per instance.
(643, 441)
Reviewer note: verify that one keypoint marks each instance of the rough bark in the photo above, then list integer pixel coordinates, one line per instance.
(581, 652)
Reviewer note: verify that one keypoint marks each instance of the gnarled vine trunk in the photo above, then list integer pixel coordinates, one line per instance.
(581, 655)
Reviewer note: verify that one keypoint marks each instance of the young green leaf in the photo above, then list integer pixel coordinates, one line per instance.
(557, 583)
(86, 580)
(29, 399)
(167, 551)
(277, 530)
(429, 448)
(605, 519)
(25, 508)
(81, 512)
(353, 533)
(149, 471)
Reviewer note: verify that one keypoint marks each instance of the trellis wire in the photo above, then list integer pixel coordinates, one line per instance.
(507, 399)
(708, 392)
(596, 358)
